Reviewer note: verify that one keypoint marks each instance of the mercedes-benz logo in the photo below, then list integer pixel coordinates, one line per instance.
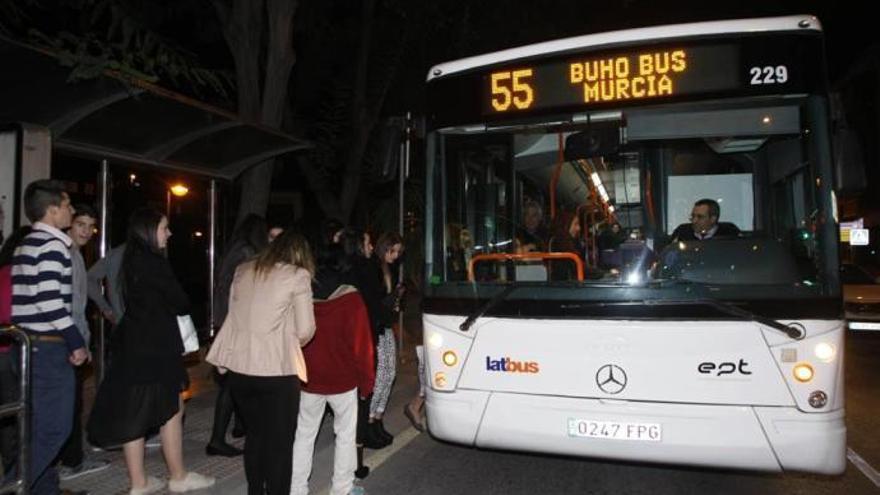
(611, 379)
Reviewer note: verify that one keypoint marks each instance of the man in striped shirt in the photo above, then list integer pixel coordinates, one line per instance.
(41, 306)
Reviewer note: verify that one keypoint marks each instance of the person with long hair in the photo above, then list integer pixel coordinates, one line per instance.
(143, 385)
(389, 247)
(249, 238)
(364, 275)
(566, 239)
(270, 318)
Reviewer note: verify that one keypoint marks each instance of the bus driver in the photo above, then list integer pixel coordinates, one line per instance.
(704, 224)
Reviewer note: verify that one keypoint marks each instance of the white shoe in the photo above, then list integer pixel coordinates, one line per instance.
(153, 442)
(192, 481)
(153, 485)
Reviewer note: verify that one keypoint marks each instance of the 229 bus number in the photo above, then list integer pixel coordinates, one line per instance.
(769, 75)
(512, 88)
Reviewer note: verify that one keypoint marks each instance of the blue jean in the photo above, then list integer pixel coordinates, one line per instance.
(52, 397)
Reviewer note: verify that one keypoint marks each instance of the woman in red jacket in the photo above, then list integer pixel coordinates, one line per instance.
(340, 363)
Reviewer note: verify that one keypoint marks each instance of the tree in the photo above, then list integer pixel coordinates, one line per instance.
(353, 98)
(122, 36)
(244, 23)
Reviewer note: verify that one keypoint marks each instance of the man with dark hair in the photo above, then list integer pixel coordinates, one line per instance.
(41, 306)
(72, 458)
(704, 224)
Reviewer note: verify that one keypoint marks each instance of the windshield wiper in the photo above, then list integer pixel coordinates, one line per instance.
(791, 331)
(497, 298)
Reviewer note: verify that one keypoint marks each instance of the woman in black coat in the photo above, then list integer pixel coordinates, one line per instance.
(144, 381)
(366, 275)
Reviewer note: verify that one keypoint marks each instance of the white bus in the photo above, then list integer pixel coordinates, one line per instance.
(549, 330)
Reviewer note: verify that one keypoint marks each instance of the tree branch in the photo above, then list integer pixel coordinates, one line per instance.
(326, 199)
(280, 59)
(242, 24)
(360, 132)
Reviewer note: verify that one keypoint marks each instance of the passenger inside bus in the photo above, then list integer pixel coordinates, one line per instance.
(459, 251)
(533, 235)
(566, 239)
(611, 237)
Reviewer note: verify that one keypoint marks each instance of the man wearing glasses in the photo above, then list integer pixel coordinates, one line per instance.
(704, 224)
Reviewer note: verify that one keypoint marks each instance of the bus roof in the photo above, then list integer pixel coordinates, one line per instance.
(612, 38)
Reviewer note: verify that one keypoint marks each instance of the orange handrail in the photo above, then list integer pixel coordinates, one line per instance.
(578, 262)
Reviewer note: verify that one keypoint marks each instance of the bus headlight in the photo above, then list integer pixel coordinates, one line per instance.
(825, 352)
(435, 340)
(803, 372)
(450, 358)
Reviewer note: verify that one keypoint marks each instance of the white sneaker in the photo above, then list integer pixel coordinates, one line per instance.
(88, 466)
(153, 485)
(192, 481)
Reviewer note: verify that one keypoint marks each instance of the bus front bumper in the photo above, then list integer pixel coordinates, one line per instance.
(739, 437)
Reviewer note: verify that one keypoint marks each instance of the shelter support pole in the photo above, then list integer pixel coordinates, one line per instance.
(103, 239)
(403, 173)
(212, 256)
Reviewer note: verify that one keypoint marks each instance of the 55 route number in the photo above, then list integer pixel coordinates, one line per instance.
(512, 88)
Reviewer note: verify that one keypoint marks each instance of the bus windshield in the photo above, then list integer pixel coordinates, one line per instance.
(721, 200)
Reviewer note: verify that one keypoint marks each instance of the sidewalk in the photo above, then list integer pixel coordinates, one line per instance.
(198, 420)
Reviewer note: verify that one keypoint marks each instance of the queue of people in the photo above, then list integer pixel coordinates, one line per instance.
(306, 323)
(309, 326)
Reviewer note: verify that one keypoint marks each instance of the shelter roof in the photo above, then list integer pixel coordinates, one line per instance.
(127, 119)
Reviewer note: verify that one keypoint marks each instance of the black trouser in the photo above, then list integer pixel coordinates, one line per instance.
(269, 406)
(223, 412)
(72, 453)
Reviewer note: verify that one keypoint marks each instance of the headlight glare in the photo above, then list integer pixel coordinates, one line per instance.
(803, 372)
(825, 352)
(450, 358)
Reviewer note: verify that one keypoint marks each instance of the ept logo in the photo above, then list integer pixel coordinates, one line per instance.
(726, 368)
(508, 365)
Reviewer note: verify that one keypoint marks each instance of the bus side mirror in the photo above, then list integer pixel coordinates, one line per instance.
(849, 160)
(384, 156)
(387, 146)
(599, 139)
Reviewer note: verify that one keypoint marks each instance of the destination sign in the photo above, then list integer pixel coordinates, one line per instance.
(745, 65)
(642, 75)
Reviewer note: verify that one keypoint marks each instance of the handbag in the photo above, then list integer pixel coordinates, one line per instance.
(188, 334)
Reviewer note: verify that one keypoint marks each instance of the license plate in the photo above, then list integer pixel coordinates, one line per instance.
(615, 430)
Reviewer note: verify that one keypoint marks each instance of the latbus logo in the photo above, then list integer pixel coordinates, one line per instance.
(508, 365)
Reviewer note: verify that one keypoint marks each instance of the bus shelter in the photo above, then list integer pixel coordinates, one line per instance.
(118, 121)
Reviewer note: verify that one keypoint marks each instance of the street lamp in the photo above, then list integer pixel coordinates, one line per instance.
(180, 190)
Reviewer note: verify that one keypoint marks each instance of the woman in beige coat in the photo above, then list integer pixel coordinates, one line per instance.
(270, 318)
